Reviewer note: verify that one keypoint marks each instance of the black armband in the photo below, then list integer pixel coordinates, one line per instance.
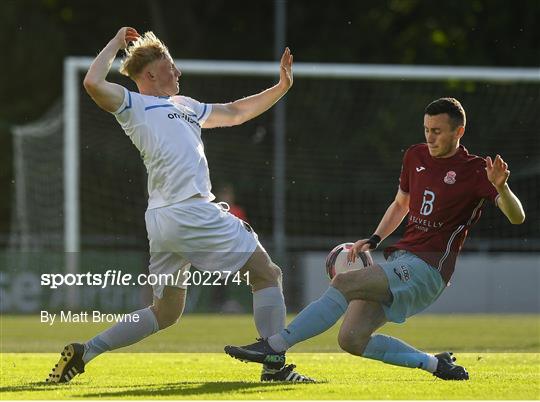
(374, 241)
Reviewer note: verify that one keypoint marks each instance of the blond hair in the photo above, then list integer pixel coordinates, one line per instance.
(140, 53)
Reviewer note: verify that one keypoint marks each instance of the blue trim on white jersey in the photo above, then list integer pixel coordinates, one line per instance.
(128, 106)
(155, 106)
(203, 112)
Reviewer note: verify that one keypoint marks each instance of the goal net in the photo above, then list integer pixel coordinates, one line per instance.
(347, 128)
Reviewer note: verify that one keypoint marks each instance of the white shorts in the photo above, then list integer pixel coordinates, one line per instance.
(196, 232)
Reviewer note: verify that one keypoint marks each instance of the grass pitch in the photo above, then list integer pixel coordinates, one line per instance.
(502, 354)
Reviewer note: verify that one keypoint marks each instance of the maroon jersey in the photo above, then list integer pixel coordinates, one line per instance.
(446, 198)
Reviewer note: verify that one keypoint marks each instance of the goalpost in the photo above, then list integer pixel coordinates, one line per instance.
(74, 65)
(80, 187)
(314, 84)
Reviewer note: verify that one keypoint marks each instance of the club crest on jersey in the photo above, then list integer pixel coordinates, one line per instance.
(450, 177)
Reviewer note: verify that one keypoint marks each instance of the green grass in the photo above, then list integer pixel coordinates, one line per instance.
(215, 376)
(502, 353)
(208, 333)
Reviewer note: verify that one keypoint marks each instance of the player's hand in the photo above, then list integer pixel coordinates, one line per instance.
(126, 35)
(285, 72)
(360, 245)
(497, 171)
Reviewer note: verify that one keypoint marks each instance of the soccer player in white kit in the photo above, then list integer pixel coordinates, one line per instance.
(184, 227)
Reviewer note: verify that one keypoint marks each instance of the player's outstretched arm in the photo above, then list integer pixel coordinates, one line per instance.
(242, 110)
(390, 221)
(107, 95)
(498, 173)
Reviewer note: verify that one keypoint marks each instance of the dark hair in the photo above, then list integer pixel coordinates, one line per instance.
(451, 107)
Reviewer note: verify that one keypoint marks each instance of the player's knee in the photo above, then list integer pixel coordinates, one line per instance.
(274, 273)
(353, 343)
(277, 274)
(166, 320)
(268, 274)
(166, 316)
(341, 282)
(344, 342)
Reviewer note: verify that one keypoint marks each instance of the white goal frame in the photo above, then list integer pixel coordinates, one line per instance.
(74, 65)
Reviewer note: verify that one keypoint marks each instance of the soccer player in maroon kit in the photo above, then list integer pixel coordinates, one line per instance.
(443, 189)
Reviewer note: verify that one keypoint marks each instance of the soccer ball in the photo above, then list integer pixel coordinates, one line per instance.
(336, 262)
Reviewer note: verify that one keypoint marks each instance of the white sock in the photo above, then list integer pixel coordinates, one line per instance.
(269, 311)
(122, 334)
(432, 364)
(278, 343)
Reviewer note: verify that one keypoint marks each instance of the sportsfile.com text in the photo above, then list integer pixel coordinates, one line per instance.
(114, 277)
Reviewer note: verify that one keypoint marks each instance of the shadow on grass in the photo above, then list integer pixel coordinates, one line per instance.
(31, 386)
(186, 388)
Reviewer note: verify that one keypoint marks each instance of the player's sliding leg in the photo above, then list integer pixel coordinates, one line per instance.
(356, 337)
(366, 284)
(269, 312)
(164, 312)
(321, 314)
(362, 319)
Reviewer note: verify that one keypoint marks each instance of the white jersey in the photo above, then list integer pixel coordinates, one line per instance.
(167, 133)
